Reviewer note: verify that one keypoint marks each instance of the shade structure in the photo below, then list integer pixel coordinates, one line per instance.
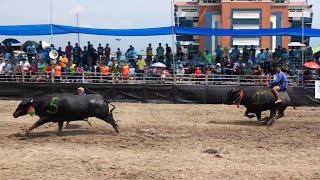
(45, 29)
(312, 65)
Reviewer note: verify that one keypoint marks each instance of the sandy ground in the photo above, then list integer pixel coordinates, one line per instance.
(164, 142)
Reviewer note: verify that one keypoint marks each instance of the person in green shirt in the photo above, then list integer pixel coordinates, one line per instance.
(208, 58)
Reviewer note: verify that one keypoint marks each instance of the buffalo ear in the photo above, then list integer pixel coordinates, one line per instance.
(234, 90)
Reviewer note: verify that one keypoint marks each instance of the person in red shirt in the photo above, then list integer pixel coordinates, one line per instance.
(69, 49)
(198, 72)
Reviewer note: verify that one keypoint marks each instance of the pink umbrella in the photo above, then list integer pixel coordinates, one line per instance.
(312, 65)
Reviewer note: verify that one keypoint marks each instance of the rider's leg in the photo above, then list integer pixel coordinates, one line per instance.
(275, 91)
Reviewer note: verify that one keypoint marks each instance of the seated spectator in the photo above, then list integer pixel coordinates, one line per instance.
(104, 70)
(64, 64)
(8, 68)
(2, 65)
(208, 58)
(25, 66)
(126, 71)
(218, 69)
(57, 71)
(198, 72)
(261, 58)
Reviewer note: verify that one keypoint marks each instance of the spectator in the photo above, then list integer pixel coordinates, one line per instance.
(179, 53)
(107, 52)
(141, 64)
(235, 53)
(1, 49)
(25, 66)
(267, 63)
(149, 55)
(198, 72)
(77, 55)
(218, 69)
(104, 70)
(126, 71)
(218, 54)
(100, 51)
(252, 53)
(261, 58)
(48, 70)
(208, 58)
(168, 55)
(8, 68)
(64, 64)
(229, 67)
(42, 66)
(115, 67)
(190, 52)
(132, 56)
(180, 70)
(69, 49)
(2, 65)
(245, 54)
(60, 52)
(57, 72)
(119, 54)
(90, 55)
(160, 53)
(31, 51)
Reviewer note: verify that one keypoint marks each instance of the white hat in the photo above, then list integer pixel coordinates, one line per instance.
(218, 64)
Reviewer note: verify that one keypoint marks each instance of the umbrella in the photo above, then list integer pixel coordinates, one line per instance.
(312, 65)
(10, 41)
(316, 49)
(24, 45)
(158, 64)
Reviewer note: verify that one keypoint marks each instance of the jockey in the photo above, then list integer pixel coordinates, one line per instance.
(280, 84)
(81, 91)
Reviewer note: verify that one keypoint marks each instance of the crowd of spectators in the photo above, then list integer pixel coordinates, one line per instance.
(74, 60)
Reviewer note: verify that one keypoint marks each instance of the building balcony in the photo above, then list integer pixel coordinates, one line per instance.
(218, 2)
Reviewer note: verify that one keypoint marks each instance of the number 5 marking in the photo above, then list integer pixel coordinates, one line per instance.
(54, 106)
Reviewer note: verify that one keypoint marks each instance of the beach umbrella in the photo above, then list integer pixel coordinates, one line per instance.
(10, 41)
(158, 64)
(312, 65)
(24, 45)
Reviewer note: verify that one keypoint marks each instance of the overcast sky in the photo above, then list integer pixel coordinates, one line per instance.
(101, 14)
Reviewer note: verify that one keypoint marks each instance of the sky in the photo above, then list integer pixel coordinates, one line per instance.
(122, 14)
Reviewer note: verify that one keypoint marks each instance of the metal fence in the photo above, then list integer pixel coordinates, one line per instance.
(187, 79)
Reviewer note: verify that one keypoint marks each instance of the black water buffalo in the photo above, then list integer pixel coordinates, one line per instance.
(257, 100)
(62, 107)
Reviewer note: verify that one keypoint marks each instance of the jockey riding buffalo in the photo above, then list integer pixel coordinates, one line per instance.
(62, 107)
(257, 100)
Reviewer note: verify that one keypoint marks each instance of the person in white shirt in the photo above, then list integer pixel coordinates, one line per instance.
(2, 65)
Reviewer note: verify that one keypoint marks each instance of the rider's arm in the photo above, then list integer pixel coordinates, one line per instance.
(277, 81)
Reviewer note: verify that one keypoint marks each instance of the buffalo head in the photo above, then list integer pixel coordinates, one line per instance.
(232, 96)
(23, 108)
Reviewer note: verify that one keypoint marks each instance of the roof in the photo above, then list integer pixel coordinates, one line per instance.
(186, 4)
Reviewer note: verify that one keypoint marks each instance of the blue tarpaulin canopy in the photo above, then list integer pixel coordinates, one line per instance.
(45, 29)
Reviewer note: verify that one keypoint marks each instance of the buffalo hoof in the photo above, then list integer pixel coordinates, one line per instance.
(270, 122)
(27, 132)
(250, 116)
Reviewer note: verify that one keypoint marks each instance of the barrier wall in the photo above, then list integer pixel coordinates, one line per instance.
(199, 94)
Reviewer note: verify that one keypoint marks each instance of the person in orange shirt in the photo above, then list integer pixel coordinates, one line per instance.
(48, 70)
(125, 71)
(64, 64)
(57, 72)
(198, 72)
(104, 70)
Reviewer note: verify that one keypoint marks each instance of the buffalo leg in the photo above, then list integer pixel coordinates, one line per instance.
(248, 115)
(60, 126)
(40, 122)
(258, 114)
(109, 119)
(272, 117)
(281, 111)
(67, 124)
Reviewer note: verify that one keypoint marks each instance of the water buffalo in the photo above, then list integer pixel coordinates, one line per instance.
(257, 100)
(62, 107)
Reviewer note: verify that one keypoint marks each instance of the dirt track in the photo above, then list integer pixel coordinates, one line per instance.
(164, 142)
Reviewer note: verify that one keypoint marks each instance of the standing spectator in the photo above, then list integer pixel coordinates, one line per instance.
(252, 53)
(132, 56)
(77, 55)
(160, 53)
(168, 55)
(149, 55)
(141, 64)
(218, 52)
(179, 53)
(69, 49)
(31, 51)
(190, 52)
(261, 58)
(100, 51)
(107, 52)
(119, 54)
(126, 71)
(235, 53)
(1, 49)
(267, 63)
(91, 54)
(245, 54)
(60, 52)
(208, 58)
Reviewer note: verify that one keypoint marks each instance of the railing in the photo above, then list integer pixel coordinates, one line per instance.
(187, 79)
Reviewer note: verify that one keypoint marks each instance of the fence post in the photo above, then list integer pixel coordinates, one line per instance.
(144, 78)
(238, 80)
(112, 75)
(23, 78)
(206, 79)
(83, 78)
